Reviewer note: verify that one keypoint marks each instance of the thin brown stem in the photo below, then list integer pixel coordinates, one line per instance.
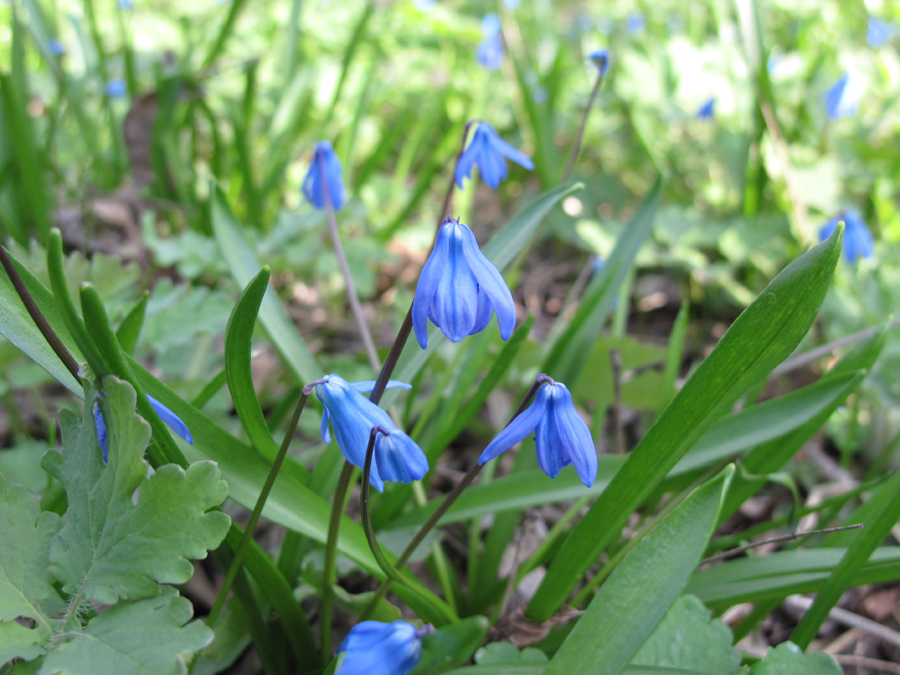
(615, 361)
(576, 145)
(776, 540)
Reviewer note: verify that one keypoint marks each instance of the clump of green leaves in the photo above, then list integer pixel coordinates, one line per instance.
(86, 589)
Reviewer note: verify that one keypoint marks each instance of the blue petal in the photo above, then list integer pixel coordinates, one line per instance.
(551, 455)
(465, 164)
(456, 300)
(312, 186)
(368, 385)
(334, 177)
(503, 148)
(171, 419)
(517, 430)
(483, 313)
(399, 458)
(491, 165)
(491, 283)
(323, 427)
(375, 648)
(573, 435)
(100, 425)
(428, 284)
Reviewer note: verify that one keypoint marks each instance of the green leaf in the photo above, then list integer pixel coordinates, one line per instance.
(19, 642)
(129, 330)
(451, 645)
(523, 668)
(111, 547)
(759, 339)
(788, 659)
(244, 266)
(641, 589)
(148, 637)
(687, 638)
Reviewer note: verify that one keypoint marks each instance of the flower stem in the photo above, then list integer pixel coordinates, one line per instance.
(257, 510)
(445, 505)
(445, 209)
(31, 306)
(576, 145)
(334, 527)
(352, 295)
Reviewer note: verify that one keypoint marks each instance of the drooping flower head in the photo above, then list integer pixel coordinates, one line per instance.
(560, 435)
(325, 161)
(842, 99)
(171, 419)
(376, 648)
(858, 241)
(459, 288)
(636, 23)
(396, 458)
(600, 58)
(879, 32)
(707, 111)
(490, 52)
(116, 88)
(56, 47)
(489, 153)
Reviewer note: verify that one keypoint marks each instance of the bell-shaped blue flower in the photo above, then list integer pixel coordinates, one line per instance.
(325, 161)
(879, 32)
(171, 419)
(560, 435)
(490, 52)
(600, 58)
(376, 648)
(489, 153)
(459, 289)
(116, 88)
(842, 99)
(707, 111)
(636, 23)
(858, 241)
(396, 458)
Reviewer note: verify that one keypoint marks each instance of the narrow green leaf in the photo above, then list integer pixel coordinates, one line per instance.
(451, 645)
(674, 355)
(638, 593)
(759, 339)
(129, 330)
(244, 266)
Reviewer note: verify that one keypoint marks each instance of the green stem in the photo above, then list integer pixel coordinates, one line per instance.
(334, 527)
(576, 146)
(257, 511)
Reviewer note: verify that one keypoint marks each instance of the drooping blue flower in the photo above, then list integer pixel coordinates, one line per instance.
(126, 4)
(490, 52)
(707, 110)
(842, 99)
(171, 419)
(396, 458)
(879, 32)
(376, 648)
(490, 25)
(424, 5)
(116, 88)
(561, 436)
(325, 158)
(459, 288)
(858, 241)
(489, 153)
(600, 58)
(512, 4)
(56, 47)
(636, 23)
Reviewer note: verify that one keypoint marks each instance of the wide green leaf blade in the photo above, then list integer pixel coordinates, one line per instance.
(244, 266)
(634, 599)
(759, 339)
(451, 645)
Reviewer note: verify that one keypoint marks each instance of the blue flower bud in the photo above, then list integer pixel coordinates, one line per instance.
(490, 52)
(489, 153)
(858, 241)
(600, 58)
(376, 648)
(636, 23)
(707, 110)
(560, 435)
(396, 457)
(116, 88)
(459, 289)
(56, 47)
(171, 419)
(842, 99)
(879, 32)
(326, 161)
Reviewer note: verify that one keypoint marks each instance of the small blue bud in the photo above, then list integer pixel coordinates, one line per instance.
(490, 52)
(490, 25)
(171, 419)
(116, 88)
(561, 437)
(600, 58)
(376, 648)
(396, 456)
(636, 23)
(842, 99)
(858, 242)
(459, 289)
(56, 47)
(325, 159)
(879, 32)
(707, 110)
(489, 153)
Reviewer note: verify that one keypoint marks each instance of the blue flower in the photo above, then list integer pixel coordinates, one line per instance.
(116, 88)
(858, 241)
(126, 4)
(600, 58)
(56, 47)
(396, 457)
(489, 153)
(842, 99)
(376, 648)
(490, 52)
(707, 110)
(424, 5)
(171, 419)
(512, 4)
(636, 22)
(490, 25)
(325, 158)
(561, 436)
(459, 288)
(879, 32)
